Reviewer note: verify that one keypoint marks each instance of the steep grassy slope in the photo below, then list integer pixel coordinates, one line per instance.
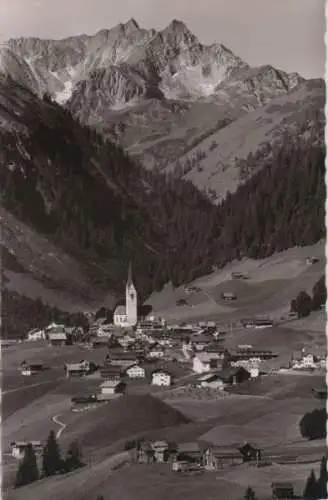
(218, 163)
(273, 282)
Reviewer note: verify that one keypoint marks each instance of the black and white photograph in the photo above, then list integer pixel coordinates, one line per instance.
(163, 236)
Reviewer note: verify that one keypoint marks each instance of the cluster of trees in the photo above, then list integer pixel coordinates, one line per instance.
(316, 488)
(304, 303)
(281, 206)
(52, 462)
(313, 424)
(19, 314)
(89, 197)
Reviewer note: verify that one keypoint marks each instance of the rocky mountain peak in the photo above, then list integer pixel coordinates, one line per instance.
(178, 30)
(16, 68)
(131, 25)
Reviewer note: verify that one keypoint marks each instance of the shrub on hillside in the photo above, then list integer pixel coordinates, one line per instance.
(74, 457)
(319, 293)
(302, 305)
(313, 425)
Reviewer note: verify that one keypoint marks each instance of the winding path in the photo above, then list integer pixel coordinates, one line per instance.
(61, 424)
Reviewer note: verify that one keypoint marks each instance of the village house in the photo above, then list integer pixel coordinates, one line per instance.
(214, 458)
(147, 326)
(36, 334)
(232, 376)
(207, 361)
(250, 453)
(80, 369)
(252, 365)
(156, 352)
(228, 296)
(18, 448)
(111, 372)
(28, 369)
(212, 381)
(246, 353)
(136, 371)
(227, 377)
(311, 260)
(302, 360)
(58, 338)
(112, 387)
(98, 342)
(104, 331)
(200, 342)
(282, 490)
(257, 323)
(126, 340)
(188, 452)
(161, 378)
(123, 358)
(239, 276)
(160, 451)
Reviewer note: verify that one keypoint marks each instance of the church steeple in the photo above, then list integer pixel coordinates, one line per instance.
(131, 299)
(129, 282)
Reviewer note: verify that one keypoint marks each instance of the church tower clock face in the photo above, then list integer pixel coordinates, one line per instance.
(132, 296)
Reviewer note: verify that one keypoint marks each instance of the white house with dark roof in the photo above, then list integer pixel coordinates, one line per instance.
(161, 377)
(136, 371)
(18, 448)
(111, 387)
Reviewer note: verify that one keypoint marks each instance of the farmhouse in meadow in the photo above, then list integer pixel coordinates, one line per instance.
(112, 387)
(28, 369)
(123, 358)
(228, 296)
(227, 377)
(79, 369)
(36, 334)
(282, 490)
(59, 338)
(206, 361)
(127, 316)
(18, 448)
(111, 372)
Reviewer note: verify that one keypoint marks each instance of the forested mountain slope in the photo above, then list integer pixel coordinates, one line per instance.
(90, 200)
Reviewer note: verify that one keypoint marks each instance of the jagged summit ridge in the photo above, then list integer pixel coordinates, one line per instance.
(173, 56)
(136, 64)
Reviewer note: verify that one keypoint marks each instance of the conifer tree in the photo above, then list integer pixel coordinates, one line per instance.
(249, 494)
(323, 478)
(51, 460)
(28, 469)
(311, 488)
(74, 457)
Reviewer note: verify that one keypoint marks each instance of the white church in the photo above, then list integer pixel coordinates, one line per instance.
(127, 316)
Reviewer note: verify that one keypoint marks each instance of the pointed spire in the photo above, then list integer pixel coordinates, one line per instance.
(130, 282)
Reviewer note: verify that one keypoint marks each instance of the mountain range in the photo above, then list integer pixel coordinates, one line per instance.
(160, 94)
(123, 146)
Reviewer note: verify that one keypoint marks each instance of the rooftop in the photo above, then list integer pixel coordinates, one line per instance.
(110, 383)
(120, 310)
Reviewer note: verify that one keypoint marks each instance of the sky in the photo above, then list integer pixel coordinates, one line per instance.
(288, 34)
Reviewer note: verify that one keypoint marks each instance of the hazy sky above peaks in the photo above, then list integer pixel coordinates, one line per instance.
(289, 34)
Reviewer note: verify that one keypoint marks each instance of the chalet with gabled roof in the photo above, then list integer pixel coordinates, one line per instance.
(282, 491)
